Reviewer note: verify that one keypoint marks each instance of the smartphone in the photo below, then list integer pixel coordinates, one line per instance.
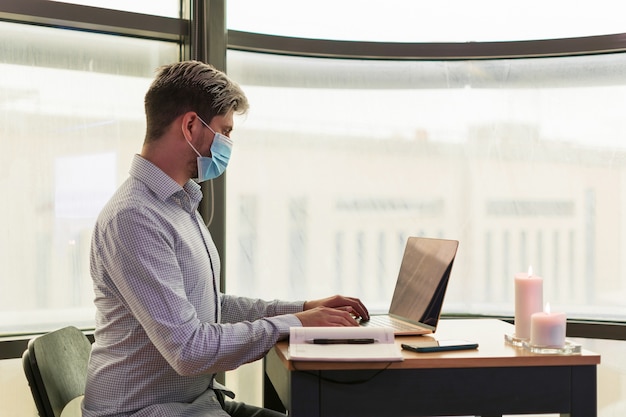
(441, 346)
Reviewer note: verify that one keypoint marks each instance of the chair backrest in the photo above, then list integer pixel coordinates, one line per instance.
(55, 365)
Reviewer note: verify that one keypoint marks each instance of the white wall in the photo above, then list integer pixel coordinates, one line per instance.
(15, 397)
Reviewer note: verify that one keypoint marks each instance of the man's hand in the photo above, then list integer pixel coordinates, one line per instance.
(326, 316)
(333, 311)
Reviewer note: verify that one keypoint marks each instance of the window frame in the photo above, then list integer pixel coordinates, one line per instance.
(94, 19)
(255, 42)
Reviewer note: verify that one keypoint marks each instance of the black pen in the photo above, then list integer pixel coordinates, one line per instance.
(361, 341)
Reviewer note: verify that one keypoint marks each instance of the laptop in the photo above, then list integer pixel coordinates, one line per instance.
(420, 288)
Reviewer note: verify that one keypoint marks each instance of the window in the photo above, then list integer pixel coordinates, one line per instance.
(72, 109)
(522, 161)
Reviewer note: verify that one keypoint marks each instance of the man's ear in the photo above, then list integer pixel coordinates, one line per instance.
(187, 125)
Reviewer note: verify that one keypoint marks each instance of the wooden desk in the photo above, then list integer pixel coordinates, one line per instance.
(494, 380)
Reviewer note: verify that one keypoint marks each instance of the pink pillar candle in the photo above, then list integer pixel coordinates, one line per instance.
(548, 329)
(528, 300)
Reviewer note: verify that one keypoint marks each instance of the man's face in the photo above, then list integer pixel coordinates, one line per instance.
(219, 124)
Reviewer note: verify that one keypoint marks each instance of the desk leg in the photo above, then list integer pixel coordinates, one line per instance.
(302, 395)
(584, 392)
(271, 399)
(296, 392)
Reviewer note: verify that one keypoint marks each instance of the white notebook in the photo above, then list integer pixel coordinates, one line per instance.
(342, 344)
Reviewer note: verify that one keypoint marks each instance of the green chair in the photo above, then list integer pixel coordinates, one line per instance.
(55, 365)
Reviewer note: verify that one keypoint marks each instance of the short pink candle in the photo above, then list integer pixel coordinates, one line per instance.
(528, 300)
(548, 329)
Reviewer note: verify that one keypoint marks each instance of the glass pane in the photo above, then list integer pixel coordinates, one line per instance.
(339, 161)
(419, 21)
(72, 109)
(166, 8)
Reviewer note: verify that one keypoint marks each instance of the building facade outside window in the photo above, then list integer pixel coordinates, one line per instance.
(522, 161)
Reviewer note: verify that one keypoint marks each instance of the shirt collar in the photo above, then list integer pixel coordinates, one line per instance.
(161, 184)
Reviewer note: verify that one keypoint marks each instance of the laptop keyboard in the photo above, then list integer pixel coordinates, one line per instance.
(387, 321)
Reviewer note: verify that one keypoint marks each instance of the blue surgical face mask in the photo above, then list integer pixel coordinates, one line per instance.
(210, 167)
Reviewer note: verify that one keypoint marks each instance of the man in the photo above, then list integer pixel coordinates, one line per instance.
(163, 329)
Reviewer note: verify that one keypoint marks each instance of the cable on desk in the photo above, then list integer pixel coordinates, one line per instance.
(352, 382)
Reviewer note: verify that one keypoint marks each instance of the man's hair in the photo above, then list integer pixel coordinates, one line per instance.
(190, 86)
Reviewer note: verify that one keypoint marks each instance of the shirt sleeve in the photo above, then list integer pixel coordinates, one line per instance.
(236, 309)
(280, 313)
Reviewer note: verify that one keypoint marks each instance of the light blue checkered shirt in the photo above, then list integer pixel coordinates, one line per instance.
(158, 341)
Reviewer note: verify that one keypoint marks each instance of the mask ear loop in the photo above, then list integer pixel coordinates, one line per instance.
(210, 181)
(212, 191)
(212, 204)
(192, 147)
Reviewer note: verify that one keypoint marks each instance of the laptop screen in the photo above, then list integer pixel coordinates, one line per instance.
(423, 279)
